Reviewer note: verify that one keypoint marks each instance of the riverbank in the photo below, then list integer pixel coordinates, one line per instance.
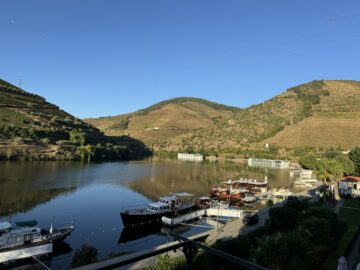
(221, 232)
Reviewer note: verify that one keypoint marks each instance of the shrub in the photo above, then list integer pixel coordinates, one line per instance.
(85, 255)
(18, 140)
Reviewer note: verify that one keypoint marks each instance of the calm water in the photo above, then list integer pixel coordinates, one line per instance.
(91, 195)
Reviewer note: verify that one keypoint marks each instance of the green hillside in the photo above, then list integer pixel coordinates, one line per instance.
(32, 128)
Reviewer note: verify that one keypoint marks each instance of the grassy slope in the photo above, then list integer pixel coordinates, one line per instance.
(291, 118)
(334, 121)
(322, 129)
(302, 116)
(165, 120)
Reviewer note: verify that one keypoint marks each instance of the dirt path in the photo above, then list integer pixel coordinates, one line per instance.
(352, 256)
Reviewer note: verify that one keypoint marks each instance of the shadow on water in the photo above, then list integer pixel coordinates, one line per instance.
(198, 178)
(136, 149)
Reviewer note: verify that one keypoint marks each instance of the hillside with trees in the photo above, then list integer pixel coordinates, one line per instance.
(32, 128)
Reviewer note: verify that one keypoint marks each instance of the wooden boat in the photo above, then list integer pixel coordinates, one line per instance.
(205, 202)
(223, 194)
(26, 240)
(236, 198)
(215, 191)
(167, 206)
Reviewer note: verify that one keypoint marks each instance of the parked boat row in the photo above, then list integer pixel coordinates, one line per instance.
(239, 192)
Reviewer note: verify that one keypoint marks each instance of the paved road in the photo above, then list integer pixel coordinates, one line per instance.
(236, 227)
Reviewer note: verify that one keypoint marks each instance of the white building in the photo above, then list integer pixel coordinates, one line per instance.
(349, 186)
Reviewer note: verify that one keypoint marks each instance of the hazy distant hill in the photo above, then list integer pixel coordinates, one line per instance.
(320, 113)
(32, 128)
(166, 119)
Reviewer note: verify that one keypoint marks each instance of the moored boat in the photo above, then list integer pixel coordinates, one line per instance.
(249, 198)
(27, 240)
(205, 202)
(167, 206)
(236, 198)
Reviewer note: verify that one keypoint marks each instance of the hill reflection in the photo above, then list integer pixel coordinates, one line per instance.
(197, 178)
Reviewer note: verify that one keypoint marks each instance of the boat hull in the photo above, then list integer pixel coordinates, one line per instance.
(26, 252)
(134, 219)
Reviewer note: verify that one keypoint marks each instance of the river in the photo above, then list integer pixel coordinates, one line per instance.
(91, 195)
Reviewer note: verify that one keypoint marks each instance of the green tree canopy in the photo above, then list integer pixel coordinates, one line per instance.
(85, 255)
(77, 137)
(354, 156)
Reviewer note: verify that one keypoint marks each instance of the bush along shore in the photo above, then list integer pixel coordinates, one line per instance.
(73, 145)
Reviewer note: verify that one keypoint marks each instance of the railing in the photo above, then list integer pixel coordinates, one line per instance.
(189, 246)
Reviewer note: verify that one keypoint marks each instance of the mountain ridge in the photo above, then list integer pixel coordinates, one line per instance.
(255, 124)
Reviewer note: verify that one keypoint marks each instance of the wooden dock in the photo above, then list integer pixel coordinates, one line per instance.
(210, 212)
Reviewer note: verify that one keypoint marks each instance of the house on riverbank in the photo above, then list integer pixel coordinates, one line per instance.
(349, 186)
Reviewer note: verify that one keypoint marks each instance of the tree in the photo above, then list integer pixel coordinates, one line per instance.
(308, 162)
(85, 255)
(346, 163)
(282, 251)
(77, 137)
(329, 169)
(354, 156)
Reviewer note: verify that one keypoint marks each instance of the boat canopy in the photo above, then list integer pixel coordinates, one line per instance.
(157, 204)
(204, 198)
(172, 198)
(27, 223)
(181, 194)
(4, 226)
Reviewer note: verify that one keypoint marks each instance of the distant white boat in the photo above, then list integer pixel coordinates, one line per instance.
(259, 162)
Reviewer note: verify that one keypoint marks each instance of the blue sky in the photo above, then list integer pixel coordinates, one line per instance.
(99, 58)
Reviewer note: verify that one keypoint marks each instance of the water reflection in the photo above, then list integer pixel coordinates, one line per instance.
(24, 185)
(197, 178)
(91, 195)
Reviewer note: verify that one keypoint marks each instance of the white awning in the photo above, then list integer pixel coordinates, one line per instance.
(181, 194)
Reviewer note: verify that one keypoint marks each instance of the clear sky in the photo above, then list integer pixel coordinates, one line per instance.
(100, 58)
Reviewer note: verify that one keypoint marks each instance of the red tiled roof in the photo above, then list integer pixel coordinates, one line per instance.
(351, 179)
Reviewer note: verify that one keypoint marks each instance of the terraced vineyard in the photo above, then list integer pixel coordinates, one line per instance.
(301, 116)
(32, 128)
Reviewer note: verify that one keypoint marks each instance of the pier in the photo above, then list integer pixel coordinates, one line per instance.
(210, 212)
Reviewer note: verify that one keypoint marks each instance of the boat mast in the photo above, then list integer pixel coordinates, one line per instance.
(10, 210)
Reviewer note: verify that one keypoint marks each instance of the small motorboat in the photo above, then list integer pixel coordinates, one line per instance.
(26, 240)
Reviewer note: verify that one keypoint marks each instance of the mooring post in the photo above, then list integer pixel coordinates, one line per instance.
(189, 251)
